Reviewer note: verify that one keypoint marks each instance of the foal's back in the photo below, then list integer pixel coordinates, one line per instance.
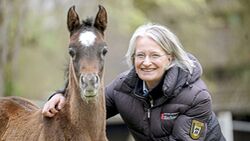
(21, 120)
(16, 117)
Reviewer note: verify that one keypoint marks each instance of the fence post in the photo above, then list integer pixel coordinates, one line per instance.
(226, 123)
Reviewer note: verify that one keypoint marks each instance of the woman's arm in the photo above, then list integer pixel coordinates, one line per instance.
(193, 124)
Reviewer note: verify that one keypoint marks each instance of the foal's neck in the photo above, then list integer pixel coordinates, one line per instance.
(85, 110)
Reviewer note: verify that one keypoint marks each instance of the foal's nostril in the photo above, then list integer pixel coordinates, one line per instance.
(94, 80)
(83, 82)
(97, 78)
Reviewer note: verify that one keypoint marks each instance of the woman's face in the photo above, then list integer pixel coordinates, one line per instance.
(150, 61)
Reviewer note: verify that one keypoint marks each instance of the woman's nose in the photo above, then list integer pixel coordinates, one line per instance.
(147, 61)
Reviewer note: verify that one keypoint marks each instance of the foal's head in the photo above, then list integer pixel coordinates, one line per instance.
(87, 49)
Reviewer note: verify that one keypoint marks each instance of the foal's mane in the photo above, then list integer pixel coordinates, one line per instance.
(88, 22)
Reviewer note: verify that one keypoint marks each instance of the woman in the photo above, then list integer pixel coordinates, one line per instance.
(162, 96)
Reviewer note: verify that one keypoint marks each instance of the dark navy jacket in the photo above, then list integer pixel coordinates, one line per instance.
(178, 109)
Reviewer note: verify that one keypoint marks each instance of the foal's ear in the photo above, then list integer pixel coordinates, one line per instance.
(101, 19)
(73, 21)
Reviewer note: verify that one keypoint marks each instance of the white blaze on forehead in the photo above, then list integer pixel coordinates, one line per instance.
(87, 38)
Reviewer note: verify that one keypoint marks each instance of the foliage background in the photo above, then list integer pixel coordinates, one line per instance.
(34, 41)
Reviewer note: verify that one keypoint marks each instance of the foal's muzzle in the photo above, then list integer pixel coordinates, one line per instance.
(89, 85)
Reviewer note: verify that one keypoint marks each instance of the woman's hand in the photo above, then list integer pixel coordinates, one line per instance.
(54, 105)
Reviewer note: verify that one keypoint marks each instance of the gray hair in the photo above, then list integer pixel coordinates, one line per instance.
(165, 39)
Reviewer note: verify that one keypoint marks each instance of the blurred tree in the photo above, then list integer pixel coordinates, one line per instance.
(11, 23)
(245, 33)
(2, 49)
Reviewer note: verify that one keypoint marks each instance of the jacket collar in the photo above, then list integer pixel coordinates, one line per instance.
(177, 78)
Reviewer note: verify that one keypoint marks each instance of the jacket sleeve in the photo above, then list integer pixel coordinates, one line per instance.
(192, 125)
(110, 102)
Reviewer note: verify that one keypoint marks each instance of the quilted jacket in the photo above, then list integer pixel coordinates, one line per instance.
(178, 109)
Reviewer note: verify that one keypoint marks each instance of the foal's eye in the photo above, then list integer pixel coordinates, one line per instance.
(104, 51)
(72, 52)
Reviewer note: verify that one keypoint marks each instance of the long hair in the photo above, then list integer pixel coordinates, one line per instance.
(165, 39)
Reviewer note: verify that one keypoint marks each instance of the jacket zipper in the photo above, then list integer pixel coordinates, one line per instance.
(150, 106)
(148, 110)
(149, 115)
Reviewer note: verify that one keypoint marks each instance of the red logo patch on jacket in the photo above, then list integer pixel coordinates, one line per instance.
(169, 116)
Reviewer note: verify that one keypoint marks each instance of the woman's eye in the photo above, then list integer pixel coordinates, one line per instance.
(140, 56)
(155, 55)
